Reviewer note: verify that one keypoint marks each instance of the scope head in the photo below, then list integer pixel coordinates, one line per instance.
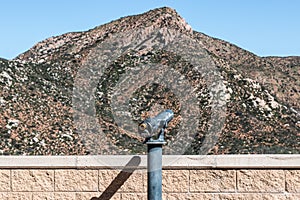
(151, 127)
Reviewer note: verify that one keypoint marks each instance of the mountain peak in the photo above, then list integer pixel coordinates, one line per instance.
(74, 42)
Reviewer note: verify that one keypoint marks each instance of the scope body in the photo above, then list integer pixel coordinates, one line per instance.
(150, 126)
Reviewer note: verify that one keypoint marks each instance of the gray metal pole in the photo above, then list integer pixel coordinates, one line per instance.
(154, 166)
(147, 129)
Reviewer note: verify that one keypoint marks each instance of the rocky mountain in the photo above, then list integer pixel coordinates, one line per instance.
(261, 95)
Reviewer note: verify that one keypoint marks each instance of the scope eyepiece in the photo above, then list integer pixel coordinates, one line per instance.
(142, 126)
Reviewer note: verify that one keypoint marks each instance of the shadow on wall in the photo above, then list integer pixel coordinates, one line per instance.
(120, 179)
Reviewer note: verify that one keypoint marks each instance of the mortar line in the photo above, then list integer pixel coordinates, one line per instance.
(98, 182)
(189, 179)
(54, 180)
(10, 180)
(285, 181)
(236, 181)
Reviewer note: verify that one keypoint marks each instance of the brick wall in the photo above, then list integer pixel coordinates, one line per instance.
(35, 178)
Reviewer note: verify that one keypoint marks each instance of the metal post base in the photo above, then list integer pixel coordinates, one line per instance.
(154, 166)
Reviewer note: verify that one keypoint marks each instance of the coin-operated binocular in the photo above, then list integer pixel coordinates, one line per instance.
(149, 127)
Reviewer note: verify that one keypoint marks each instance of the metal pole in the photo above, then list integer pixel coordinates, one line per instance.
(147, 129)
(154, 166)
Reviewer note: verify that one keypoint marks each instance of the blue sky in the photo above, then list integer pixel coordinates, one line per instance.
(264, 27)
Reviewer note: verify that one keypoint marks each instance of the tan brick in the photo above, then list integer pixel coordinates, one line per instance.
(190, 196)
(64, 195)
(138, 196)
(256, 196)
(280, 196)
(293, 196)
(19, 196)
(237, 196)
(69, 195)
(54, 196)
(95, 196)
(33, 180)
(134, 196)
(133, 183)
(3, 195)
(212, 180)
(175, 180)
(43, 196)
(293, 181)
(260, 181)
(164, 196)
(106, 177)
(76, 180)
(4, 180)
(87, 195)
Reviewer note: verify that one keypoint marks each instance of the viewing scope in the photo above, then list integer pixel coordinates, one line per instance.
(149, 127)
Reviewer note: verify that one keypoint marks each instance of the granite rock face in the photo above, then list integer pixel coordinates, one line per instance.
(37, 95)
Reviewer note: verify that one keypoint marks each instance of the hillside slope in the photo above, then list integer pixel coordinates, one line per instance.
(37, 112)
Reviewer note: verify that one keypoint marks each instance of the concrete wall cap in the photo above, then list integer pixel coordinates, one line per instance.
(169, 161)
